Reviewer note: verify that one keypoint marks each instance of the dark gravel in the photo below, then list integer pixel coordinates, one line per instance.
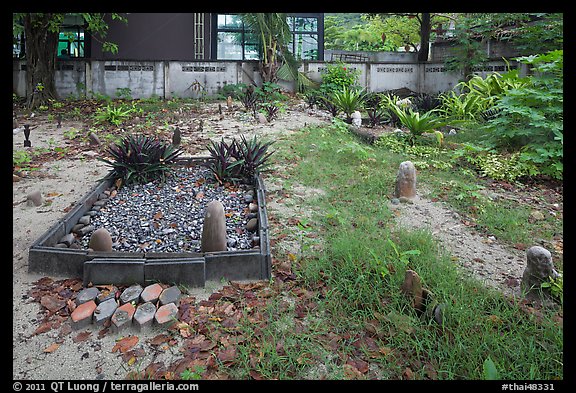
(168, 217)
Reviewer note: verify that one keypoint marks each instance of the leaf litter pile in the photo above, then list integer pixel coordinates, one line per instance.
(232, 328)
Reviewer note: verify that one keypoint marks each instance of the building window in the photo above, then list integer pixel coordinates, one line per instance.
(71, 42)
(199, 35)
(235, 42)
(305, 43)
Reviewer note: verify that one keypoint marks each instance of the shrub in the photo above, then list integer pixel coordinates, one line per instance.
(530, 117)
(337, 77)
(224, 164)
(238, 160)
(141, 159)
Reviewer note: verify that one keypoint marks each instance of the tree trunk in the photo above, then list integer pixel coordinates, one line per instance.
(41, 46)
(424, 37)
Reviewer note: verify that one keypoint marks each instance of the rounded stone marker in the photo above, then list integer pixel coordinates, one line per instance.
(406, 180)
(539, 268)
(214, 228)
(100, 240)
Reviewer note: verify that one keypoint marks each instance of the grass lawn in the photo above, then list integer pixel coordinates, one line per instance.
(345, 317)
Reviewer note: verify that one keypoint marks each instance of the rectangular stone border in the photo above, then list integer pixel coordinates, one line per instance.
(132, 267)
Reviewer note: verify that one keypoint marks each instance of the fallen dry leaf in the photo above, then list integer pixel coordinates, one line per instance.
(52, 348)
(82, 336)
(124, 344)
(52, 303)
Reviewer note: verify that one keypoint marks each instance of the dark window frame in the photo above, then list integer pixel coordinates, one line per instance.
(319, 33)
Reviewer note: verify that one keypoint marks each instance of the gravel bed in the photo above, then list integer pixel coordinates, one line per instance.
(168, 217)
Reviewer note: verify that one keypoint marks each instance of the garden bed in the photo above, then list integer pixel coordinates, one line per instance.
(156, 231)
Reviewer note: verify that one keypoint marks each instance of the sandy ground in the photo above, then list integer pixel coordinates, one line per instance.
(62, 183)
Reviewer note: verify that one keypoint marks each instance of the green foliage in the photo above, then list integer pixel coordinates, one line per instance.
(141, 159)
(489, 370)
(253, 154)
(337, 77)
(224, 164)
(347, 100)
(193, 374)
(239, 159)
(115, 115)
(555, 286)
(531, 116)
(20, 157)
(417, 124)
(501, 167)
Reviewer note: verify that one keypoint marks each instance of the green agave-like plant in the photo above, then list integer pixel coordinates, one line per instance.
(141, 159)
(416, 123)
(253, 154)
(224, 164)
(238, 160)
(348, 100)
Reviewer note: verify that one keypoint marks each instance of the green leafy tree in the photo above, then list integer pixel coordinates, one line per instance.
(41, 32)
(530, 33)
(273, 33)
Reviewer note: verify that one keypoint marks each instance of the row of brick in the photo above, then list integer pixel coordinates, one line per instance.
(136, 307)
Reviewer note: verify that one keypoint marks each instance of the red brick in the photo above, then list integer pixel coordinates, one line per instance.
(151, 293)
(82, 315)
(166, 314)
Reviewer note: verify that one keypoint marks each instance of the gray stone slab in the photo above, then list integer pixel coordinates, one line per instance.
(116, 271)
(170, 295)
(86, 295)
(185, 271)
(131, 294)
(144, 317)
(104, 312)
(236, 266)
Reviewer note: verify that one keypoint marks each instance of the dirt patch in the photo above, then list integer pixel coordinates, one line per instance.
(494, 264)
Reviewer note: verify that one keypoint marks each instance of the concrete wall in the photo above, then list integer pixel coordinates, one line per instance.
(185, 79)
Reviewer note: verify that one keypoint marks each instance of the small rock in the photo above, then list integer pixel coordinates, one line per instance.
(252, 225)
(176, 137)
(538, 269)
(439, 313)
(67, 239)
(412, 287)
(537, 215)
(122, 317)
(261, 118)
(406, 181)
(34, 199)
(405, 200)
(93, 139)
(166, 314)
(253, 207)
(151, 293)
(84, 220)
(82, 315)
(395, 201)
(248, 198)
(144, 316)
(104, 311)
